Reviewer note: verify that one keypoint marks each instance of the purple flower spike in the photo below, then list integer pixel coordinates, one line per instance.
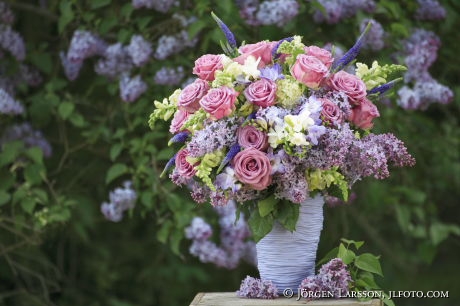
(353, 52)
(231, 153)
(228, 34)
(169, 164)
(179, 138)
(274, 54)
(251, 116)
(385, 87)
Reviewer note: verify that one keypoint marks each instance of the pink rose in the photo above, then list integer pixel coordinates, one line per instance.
(189, 98)
(250, 137)
(183, 167)
(350, 84)
(322, 54)
(219, 102)
(262, 50)
(362, 114)
(206, 65)
(178, 121)
(261, 92)
(331, 112)
(253, 167)
(309, 70)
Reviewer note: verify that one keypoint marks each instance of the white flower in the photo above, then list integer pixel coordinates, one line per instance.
(275, 135)
(250, 67)
(298, 139)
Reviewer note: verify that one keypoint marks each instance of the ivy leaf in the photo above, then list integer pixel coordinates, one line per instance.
(267, 205)
(260, 226)
(368, 262)
(288, 215)
(115, 171)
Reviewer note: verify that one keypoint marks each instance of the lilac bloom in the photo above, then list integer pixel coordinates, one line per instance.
(272, 73)
(314, 132)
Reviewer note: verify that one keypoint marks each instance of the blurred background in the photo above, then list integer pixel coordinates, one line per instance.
(77, 84)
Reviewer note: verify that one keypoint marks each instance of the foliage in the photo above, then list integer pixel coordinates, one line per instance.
(55, 246)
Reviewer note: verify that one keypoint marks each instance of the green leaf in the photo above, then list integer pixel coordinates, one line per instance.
(196, 27)
(345, 254)
(260, 226)
(42, 61)
(288, 215)
(147, 199)
(10, 151)
(330, 255)
(5, 197)
(366, 281)
(387, 301)
(357, 244)
(115, 150)
(95, 4)
(368, 262)
(66, 15)
(28, 205)
(65, 109)
(115, 171)
(77, 120)
(35, 154)
(164, 231)
(267, 205)
(34, 173)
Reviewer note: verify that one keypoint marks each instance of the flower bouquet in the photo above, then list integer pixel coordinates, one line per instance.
(274, 126)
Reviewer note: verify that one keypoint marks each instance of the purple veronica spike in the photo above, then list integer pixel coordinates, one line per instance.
(228, 34)
(231, 153)
(169, 164)
(353, 52)
(179, 138)
(274, 54)
(385, 87)
(251, 116)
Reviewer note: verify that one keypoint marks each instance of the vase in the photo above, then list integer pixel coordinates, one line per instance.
(286, 258)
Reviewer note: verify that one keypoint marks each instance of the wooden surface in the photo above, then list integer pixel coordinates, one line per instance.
(230, 299)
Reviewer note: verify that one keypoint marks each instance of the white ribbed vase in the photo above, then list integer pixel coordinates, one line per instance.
(287, 258)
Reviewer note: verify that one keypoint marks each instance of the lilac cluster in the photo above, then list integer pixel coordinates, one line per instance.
(172, 44)
(121, 199)
(277, 12)
(30, 137)
(169, 76)
(131, 88)
(116, 60)
(430, 10)
(8, 105)
(233, 245)
(372, 154)
(333, 277)
(420, 52)
(374, 39)
(255, 288)
(6, 15)
(336, 10)
(214, 136)
(291, 182)
(158, 5)
(12, 42)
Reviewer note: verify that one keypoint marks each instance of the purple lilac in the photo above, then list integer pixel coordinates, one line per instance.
(120, 200)
(115, 62)
(158, 5)
(8, 105)
(336, 10)
(140, 50)
(333, 277)
(178, 179)
(29, 76)
(423, 94)
(198, 230)
(430, 10)
(374, 39)
(248, 10)
(30, 137)
(199, 193)
(395, 151)
(131, 88)
(169, 76)
(6, 15)
(278, 12)
(71, 69)
(214, 136)
(243, 195)
(12, 42)
(255, 288)
(172, 44)
(83, 45)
